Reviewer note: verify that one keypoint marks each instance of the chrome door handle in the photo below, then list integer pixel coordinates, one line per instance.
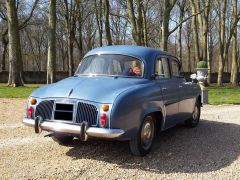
(164, 88)
(180, 86)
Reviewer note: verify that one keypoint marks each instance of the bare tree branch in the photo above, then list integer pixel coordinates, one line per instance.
(24, 24)
(189, 17)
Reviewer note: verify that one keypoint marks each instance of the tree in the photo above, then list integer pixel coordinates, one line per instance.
(70, 18)
(51, 42)
(167, 8)
(224, 42)
(235, 68)
(15, 56)
(188, 37)
(203, 22)
(98, 8)
(107, 24)
(181, 5)
(4, 53)
(79, 42)
(137, 25)
(166, 13)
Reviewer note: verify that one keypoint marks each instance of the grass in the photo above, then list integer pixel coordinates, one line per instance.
(18, 92)
(223, 95)
(217, 95)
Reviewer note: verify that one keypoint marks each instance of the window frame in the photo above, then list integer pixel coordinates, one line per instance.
(158, 77)
(179, 67)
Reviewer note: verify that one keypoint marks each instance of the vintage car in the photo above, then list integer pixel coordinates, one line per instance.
(118, 92)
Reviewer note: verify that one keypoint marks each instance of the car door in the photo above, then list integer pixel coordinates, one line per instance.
(187, 99)
(185, 91)
(169, 89)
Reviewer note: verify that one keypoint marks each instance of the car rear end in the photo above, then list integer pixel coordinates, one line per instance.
(74, 117)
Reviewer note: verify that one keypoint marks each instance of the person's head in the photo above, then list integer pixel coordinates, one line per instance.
(137, 71)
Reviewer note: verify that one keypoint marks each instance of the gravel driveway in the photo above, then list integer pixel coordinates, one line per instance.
(210, 151)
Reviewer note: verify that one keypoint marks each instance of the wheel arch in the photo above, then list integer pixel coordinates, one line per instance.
(158, 116)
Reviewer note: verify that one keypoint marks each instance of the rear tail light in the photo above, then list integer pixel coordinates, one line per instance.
(103, 120)
(30, 112)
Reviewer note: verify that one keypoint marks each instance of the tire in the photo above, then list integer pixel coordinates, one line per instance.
(62, 140)
(194, 120)
(142, 144)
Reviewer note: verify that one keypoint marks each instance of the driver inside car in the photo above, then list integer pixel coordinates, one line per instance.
(135, 71)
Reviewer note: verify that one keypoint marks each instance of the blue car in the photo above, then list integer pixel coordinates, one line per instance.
(118, 92)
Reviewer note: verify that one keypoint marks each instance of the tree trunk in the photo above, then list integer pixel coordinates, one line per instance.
(222, 40)
(140, 23)
(80, 27)
(220, 70)
(204, 41)
(4, 44)
(189, 59)
(145, 29)
(209, 59)
(132, 20)
(165, 30)
(80, 46)
(70, 53)
(180, 33)
(195, 34)
(15, 56)
(70, 17)
(234, 71)
(107, 24)
(99, 20)
(167, 8)
(51, 42)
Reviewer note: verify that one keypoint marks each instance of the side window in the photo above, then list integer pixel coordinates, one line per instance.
(162, 68)
(175, 68)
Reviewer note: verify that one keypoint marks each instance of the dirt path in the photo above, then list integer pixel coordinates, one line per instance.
(210, 151)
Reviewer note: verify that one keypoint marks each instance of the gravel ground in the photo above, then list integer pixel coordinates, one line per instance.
(210, 151)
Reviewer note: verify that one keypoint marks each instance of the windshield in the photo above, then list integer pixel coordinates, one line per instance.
(111, 65)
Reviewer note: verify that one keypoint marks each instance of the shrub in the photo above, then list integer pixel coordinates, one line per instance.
(202, 64)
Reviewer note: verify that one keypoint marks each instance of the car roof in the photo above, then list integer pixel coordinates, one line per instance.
(140, 52)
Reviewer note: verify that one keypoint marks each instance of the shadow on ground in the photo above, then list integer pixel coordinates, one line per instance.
(209, 147)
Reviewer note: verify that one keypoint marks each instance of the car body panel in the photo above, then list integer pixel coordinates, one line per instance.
(101, 89)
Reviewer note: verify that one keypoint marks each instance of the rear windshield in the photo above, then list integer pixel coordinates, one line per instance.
(111, 65)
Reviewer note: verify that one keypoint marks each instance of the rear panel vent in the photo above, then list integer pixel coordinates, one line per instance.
(87, 112)
(44, 109)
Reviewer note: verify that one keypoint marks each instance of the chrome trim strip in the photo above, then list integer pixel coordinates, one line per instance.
(75, 129)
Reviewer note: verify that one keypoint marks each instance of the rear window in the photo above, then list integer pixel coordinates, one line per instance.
(111, 65)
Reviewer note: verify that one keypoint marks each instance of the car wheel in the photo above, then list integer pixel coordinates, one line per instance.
(194, 120)
(62, 140)
(142, 144)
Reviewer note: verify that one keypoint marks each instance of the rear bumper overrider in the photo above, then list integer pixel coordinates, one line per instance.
(74, 129)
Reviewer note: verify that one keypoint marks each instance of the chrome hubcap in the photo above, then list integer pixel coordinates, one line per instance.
(147, 133)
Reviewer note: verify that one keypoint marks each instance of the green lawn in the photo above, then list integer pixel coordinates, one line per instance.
(19, 92)
(217, 95)
(224, 95)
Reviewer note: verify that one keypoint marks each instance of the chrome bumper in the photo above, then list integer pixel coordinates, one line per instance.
(74, 129)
